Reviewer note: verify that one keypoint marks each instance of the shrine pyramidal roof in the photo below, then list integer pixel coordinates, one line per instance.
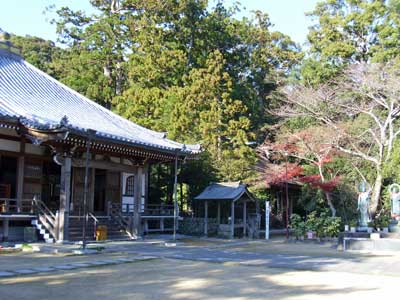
(231, 191)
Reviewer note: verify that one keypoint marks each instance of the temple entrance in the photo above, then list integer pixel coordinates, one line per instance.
(8, 176)
(50, 194)
(100, 184)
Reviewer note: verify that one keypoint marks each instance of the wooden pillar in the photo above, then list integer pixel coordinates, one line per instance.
(136, 228)
(206, 218)
(143, 190)
(91, 189)
(65, 195)
(146, 171)
(258, 217)
(20, 176)
(121, 190)
(219, 213)
(278, 203)
(181, 195)
(232, 220)
(5, 230)
(176, 208)
(162, 224)
(291, 207)
(244, 217)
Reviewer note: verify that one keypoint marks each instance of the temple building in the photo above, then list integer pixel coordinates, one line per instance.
(63, 157)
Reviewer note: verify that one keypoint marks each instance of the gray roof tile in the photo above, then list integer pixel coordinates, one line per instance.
(40, 101)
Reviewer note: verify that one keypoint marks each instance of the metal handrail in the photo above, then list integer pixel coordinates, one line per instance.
(93, 217)
(40, 203)
(95, 222)
(45, 216)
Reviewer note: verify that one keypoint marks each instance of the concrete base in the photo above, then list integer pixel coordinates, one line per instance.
(367, 244)
(384, 235)
(394, 226)
(362, 229)
(377, 241)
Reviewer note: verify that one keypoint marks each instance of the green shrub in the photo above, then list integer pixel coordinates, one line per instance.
(332, 227)
(312, 222)
(353, 223)
(382, 219)
(298, 225)
(323, 224)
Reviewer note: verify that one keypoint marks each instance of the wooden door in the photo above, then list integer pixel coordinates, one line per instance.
(113, 187)
(78, 190)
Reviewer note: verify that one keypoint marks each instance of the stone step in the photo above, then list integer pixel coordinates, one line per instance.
(114, 230)
(42, 231)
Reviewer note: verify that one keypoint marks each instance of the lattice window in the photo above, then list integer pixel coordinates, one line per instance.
(130, 186)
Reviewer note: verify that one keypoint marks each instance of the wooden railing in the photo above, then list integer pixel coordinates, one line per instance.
(46, 217)
(123, 215)
(126, 208)
(158, 210)
(114, 210)
(17, 206)
(150, 210)
(92, 219)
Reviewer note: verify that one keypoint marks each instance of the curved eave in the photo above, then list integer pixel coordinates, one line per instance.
(8, 121)
(125, 142)
(14, 123)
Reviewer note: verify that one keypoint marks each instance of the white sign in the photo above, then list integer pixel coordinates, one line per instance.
(267, 210)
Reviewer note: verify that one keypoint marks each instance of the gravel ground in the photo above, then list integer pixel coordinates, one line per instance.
(177, 279)
(201, 269)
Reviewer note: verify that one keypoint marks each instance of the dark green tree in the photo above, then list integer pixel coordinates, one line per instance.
(350, 31)
(39, 52)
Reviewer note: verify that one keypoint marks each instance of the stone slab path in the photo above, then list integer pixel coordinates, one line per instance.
(253, 254)
(72, 266)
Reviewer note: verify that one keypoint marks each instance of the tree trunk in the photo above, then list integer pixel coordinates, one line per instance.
(327, 194)
(376, 194)
(330, 203)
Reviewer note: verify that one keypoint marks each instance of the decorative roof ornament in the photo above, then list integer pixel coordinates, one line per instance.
(64, 121)
(6, 44)
(4, 36)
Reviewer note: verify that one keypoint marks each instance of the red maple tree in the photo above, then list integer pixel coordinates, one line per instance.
(305, 147)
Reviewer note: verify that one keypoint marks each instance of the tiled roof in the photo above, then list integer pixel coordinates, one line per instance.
(224, 191)
(39, 101)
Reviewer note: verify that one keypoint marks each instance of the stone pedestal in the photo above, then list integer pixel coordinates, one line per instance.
(394, 226)
(362, 229)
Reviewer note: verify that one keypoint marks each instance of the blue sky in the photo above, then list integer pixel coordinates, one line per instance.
(26, 16)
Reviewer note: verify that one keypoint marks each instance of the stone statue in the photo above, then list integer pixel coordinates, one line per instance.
(363, 204)
(394, 191)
